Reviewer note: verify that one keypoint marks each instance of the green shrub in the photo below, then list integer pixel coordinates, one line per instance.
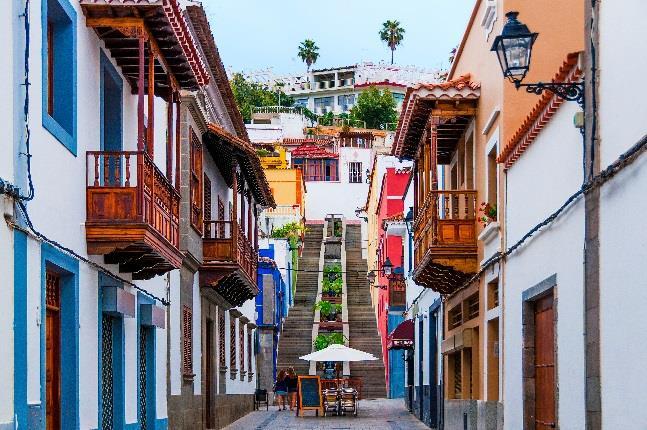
(332, 280)
(323, 341)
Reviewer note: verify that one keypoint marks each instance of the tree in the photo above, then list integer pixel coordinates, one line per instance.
(375, 107)
(308, 52)
(249, 94)
(392, 34)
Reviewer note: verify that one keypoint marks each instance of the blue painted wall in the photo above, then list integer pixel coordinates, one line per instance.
(68, 269)
(20, 329)
(396, 362)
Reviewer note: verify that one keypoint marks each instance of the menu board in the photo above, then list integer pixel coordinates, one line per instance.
(309, 392)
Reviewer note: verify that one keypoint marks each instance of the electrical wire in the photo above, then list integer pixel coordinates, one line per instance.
(625, 159)
(91, 263)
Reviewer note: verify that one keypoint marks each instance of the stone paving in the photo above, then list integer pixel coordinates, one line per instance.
(387, 414)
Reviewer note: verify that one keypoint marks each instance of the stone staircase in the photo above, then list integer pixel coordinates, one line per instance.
(363, 332)
(296, 336)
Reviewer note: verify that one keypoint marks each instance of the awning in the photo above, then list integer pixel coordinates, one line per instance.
(402, 336)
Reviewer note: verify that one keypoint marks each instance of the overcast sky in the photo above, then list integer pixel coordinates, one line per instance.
(256, 34)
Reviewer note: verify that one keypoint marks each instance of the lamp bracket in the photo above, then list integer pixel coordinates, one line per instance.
(571, 91)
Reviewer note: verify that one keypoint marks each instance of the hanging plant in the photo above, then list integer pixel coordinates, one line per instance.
(487, 214)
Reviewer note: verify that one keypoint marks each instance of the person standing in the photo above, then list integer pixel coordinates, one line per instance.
(292, 382)
(281, 389)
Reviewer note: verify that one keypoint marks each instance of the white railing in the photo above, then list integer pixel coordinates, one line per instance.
(284, 210)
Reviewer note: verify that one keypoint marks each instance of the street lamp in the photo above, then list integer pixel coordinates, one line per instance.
(387, 266)
(514, 50)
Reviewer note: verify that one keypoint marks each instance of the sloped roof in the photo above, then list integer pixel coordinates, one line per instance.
(540, 114)
(198, 18)
(418, 103)
(228, 149)
(312, 151)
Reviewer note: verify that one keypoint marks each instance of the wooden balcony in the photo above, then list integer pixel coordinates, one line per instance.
(132, 213)
(445, 240)
(229, 262)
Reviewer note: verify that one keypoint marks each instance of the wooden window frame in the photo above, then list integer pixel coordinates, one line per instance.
(195, 182)
(207, 204)
(187, 342)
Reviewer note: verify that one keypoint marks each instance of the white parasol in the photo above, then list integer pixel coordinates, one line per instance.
(336, 352)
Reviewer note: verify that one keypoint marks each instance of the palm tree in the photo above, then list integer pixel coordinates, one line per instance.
(392, 34)
(308, 52)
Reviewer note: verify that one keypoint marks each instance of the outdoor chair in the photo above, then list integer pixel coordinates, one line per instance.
(260, 397)
(330, 401)
(348, 401)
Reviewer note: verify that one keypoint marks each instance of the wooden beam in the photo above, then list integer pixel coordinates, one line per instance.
(150, 143)
(140, 97)
(178, 119)
(169, 139)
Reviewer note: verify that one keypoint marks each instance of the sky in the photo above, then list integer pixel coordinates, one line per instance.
(253, 35)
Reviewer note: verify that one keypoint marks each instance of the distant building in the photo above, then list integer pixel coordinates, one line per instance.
(336, 89)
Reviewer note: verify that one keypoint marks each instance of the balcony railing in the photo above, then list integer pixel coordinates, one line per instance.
(126, 187)
(446, 219)
(277, 109)
(284, 210)
(224, 241)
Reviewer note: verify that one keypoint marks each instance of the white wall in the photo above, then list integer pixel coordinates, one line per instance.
(623, 238)
(536, 186)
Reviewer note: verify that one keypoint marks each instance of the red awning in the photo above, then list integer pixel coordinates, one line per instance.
(402, 336)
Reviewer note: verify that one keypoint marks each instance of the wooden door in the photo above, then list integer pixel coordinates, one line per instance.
(544, 364)
(53, 352)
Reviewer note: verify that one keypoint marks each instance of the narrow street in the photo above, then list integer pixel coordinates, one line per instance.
(372, 415)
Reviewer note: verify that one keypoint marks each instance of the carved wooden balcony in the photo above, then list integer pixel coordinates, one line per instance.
(445, 240)
(230, 262)
(132, 213)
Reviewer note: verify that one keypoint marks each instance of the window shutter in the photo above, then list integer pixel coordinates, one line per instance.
(207, 205)
(232, 343)
(241, 345)
(187, 340)
(221, 339)
(196, 178)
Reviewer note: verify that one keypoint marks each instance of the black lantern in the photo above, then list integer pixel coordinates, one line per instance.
(387, 266)
(514, 48)
(371, 277)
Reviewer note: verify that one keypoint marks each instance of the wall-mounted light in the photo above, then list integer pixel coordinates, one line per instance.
(514, 51)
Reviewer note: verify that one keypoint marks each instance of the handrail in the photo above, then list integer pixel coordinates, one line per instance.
(156, 200)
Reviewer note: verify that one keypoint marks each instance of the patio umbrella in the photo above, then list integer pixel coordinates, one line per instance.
(337, 352)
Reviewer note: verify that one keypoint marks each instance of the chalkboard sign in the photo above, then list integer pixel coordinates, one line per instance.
(309, 391)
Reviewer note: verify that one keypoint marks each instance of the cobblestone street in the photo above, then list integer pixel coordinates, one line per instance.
(373, 415)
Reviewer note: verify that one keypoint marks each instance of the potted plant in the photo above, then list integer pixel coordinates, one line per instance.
(324, 340)
(487, 214)
(332, 283)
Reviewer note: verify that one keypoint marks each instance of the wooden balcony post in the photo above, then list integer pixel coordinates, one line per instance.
(140, 96)
(169, 137)
(151, 102)
(234, 214)
(178, 119)
(433, 132)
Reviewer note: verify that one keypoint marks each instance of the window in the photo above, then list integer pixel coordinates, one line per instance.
(249, 352)
(232, 345)
(493, 294)
(221, 339)
(492, 177)
(241, 346)
(323, 104)
(301, 102)
(317, 169)
(355, 172)
(59, 71)
(207, 206)
(472, 306)
(187, 341)
(455, 376)
(346, 101)
(196, 186)
(454, 317)
(399, 98)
